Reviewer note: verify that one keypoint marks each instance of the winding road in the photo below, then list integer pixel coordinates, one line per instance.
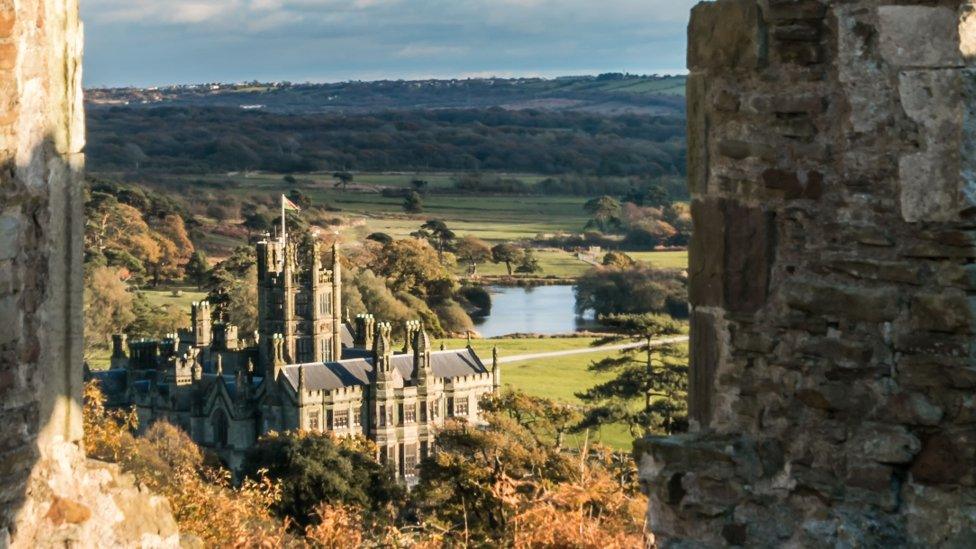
(585, 350)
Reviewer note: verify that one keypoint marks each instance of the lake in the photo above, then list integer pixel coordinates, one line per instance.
(538, 310)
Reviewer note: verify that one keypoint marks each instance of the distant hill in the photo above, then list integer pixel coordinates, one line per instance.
(610, 94)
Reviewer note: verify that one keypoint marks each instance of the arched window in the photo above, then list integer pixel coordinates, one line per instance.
(219, 424)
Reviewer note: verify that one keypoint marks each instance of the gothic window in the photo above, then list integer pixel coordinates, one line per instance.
(340, 419)
(324, 304)
(220, 427)
(357, 419)
(410, 460)
(461, 406)
(410, 413)
(423, 412)
(277, 302)
(301, 304)
(304, 349)
(400, 413)
(313, 420)
(450, 406)
(424, 450)
(382, 416)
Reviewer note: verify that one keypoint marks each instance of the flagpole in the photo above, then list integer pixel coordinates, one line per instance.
(284, 235)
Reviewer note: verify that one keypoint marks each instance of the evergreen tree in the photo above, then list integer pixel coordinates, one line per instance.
(649, 389)
(198, 269)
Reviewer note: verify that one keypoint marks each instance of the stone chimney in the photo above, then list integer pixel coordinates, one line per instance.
(365, 329)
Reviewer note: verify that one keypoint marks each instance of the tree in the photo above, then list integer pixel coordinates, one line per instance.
(529, 263)
(319, 467)
(632, 290)
(382, 238)
(472, 250)
(508, 254)
(257, 222)
(342, 179)
(419, 185)
(198, 269)
(438, 234)
(606, 213)
(412, 265)
(649, 389)
(290, 179)
(413, 203)
(300, 199)
(618, 260)
(108, 306)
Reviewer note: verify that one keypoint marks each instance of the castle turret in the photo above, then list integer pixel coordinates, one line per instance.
(225, 337)
(383, 348)
(496, 370)
(336, 302)
(202, 325)
(421, 356)
(119, 357)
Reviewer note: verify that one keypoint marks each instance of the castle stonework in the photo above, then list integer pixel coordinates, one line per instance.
(305, 369)
(831, 147)
(50, 495)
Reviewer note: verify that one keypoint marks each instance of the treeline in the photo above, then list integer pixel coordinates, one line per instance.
(201, 140)
(634, 188)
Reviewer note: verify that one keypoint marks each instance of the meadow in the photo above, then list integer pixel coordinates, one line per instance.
(363, 210)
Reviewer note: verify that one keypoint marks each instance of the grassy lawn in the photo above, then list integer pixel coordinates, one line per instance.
(557, 378)
(663, 260)
(164, 297)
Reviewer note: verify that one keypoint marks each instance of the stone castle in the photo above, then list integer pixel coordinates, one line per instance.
(304, 369)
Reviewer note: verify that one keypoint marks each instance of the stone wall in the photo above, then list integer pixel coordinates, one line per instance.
(832, 164)
(49, 494)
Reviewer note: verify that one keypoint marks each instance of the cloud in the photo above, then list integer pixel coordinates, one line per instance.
(189, 40)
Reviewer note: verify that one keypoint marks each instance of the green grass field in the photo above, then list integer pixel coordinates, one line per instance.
(558, 378)
(494, 218)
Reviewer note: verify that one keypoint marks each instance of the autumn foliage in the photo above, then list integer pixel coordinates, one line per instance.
(504, 484)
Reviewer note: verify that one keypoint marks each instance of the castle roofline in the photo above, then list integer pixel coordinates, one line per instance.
(353, 372)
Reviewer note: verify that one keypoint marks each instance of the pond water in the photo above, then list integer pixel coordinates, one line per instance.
(538, 310)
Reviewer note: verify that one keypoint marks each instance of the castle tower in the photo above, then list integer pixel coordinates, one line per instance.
(383, 394)
(202, 324)
(336, 303)
(298, 298)
(365, 330)
(119, 358)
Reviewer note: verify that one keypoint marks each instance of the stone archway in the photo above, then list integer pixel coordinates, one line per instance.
(832, 147)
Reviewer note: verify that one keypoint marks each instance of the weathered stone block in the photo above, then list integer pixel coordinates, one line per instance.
(706, 254)
(947, 311)
(10, 326)
(9, 236)
(944, 459)
(727, 35)
(937, 182)
(705, 354)
(696, 92)
(919, 36)
(793, 10)
(794, 184)
(884, 443)
(912, 409)
(749, 231)
(857, 303)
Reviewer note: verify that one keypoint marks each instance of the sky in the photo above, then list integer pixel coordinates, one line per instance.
(158, 42)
